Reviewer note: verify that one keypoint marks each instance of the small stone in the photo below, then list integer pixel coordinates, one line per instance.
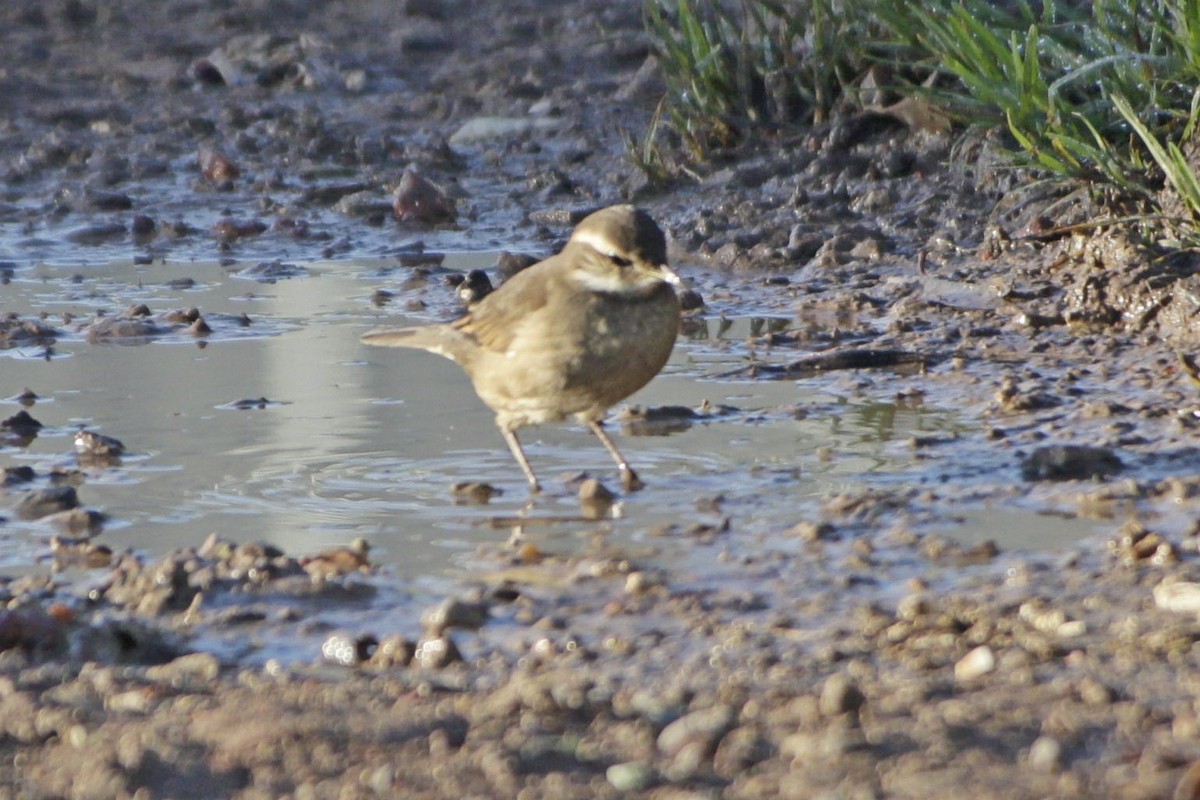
(592, 490)
(347, 651)
(475, 286)
(216, 166)
(337, 562)
(596, 500)
(187, 669)
(486, 129)
(1067, 462)
(912, 606)
(834, 741)
(975, 664)
(690, 300)
(44, 502)
(98, 446)
(393, 651)
(454, 613)
(509, 264)
(642, 581)
(135, 701)
(77, 737)
(1094, 693)
(706, 726)
(1182, 597)
(78, 553)
(809, 531)
(419, 199)
(1072, 628)
(96, 234)
(436, 653)
(839, 695)
(631, 776)
(12, 476)
(21, 424)
(1045, 754)
(474, 493)
(230, 230)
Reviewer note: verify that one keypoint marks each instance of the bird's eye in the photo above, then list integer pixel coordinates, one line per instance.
(620, 261)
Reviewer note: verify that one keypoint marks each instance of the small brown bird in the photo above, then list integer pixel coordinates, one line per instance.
(569, 336)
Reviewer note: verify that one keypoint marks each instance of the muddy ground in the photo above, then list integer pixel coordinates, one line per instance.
(863, 659)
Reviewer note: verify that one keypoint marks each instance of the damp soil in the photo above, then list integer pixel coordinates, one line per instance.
(922, 486)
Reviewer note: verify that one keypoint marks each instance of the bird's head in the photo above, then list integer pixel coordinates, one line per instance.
(620, 250)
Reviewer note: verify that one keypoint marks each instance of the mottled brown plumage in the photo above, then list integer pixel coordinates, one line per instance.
(569, 336)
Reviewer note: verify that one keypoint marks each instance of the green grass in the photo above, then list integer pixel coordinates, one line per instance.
(736, 67)
(1103, 92)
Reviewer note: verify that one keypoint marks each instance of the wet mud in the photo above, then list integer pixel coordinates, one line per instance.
(921, 475)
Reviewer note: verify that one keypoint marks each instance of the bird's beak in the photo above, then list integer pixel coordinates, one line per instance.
(670, 276)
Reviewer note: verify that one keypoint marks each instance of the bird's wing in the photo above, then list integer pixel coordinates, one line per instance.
(494, 321)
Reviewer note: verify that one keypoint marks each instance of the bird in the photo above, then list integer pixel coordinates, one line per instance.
(569, 336)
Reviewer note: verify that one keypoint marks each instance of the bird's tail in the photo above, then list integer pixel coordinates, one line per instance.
(440, 339)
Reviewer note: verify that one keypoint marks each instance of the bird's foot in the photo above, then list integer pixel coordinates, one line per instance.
(630, 481)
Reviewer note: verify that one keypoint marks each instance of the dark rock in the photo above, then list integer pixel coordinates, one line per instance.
(40, 503)
(509, 264)
(419, 199)
(21, 424)
(1066, 462)
(474, 287)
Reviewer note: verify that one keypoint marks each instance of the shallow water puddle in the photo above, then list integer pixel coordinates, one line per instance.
(288, 430)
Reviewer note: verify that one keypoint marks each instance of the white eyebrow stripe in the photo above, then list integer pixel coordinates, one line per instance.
(609, 282)
(596, 240)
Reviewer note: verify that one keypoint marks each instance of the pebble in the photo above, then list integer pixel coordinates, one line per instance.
(835, 740)
(454, 613)
(133, 701)
(96, 234)
(912, 606)
(366, 203)
(509, 264)
(1065, 462)
(216, 166)
(809, 531)
(22, 424)
(393, 651)
(475, 286)
(690, 300)
(418, 199)
(642, 581)
(474, 493)
(975, 664)
(40, 503)
(707, 725)
(347, 651)
(839, 695)
(631, 776)
(1182, 597)
(486, 129)
(77, 521)
(1045, 754)
(190, 668)
(435, 653)
(98, 445)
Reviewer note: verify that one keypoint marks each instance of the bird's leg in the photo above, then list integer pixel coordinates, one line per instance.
(514, 444)
(630, 482)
